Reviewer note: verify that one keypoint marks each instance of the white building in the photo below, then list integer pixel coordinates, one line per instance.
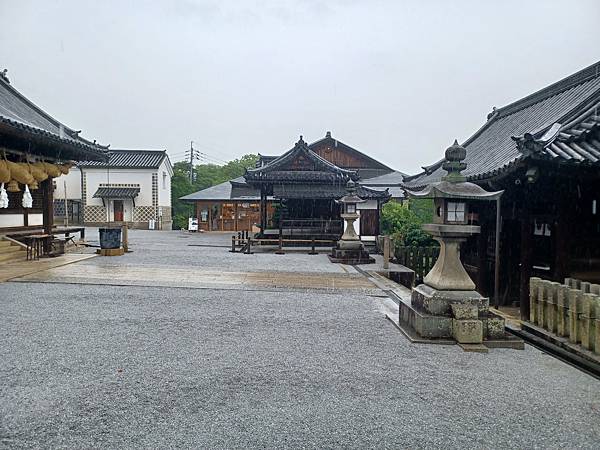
(133, 187)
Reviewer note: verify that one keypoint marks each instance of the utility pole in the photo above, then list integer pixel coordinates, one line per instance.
(193, 154)
(191, 162)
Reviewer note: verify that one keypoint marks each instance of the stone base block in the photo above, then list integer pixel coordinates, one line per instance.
(494, 327)
(433, 301)
(351, 256)
(468, 331)
(425, 325)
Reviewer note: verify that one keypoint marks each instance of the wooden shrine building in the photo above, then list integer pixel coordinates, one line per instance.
(35, 148)
(296, 193)
(544, 152)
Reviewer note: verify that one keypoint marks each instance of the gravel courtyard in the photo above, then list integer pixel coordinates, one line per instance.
(236, 360)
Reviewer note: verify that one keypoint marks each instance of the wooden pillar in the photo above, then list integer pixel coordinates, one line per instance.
(209, 217)
(263, 210)
(562, 238)
(235, 217)
(47, 209)
(526, 257)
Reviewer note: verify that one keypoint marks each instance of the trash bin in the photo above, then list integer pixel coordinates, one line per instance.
(110, 237)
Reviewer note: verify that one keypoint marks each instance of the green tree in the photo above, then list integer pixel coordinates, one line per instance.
(205, 175)
(404, 225)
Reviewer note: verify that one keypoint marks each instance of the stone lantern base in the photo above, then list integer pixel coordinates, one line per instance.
(351, 256)
(460, 315)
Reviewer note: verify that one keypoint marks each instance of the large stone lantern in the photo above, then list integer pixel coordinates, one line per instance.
(349, 249)
(446, 305)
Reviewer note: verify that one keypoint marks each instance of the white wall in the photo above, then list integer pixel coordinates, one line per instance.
(164, 184)
(73, 181)
(143, 177)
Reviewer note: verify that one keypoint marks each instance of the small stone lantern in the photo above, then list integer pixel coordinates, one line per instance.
(349, 249)
(349, 204)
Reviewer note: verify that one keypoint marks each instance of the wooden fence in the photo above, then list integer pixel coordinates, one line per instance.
(570, 310)
(419, 259)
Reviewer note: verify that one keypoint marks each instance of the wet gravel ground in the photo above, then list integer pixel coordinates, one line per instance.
(87, 366)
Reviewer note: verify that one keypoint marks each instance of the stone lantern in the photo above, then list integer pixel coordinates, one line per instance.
(446, 305)
(349, 249)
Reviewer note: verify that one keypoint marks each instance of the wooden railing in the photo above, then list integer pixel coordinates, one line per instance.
(419, 259)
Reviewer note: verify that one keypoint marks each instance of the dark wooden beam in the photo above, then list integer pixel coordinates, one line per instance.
(526, 255)
(47, 187)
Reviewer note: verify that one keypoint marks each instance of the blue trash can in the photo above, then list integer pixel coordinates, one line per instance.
(110, 237)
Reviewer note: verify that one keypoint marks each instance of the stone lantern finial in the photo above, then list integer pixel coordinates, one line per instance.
(454, 165)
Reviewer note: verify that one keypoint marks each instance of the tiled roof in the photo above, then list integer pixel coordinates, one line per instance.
(279, 170)
(324, 192)
(131, 159)
(235, 189)
(492, 149)
(388, 179)
(20, 117)
(116, 192)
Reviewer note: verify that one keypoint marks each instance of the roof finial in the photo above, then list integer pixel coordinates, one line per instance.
(328, 134)
(454, 165)
(4, 76)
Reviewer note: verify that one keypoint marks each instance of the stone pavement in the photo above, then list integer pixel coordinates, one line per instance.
(101, 354)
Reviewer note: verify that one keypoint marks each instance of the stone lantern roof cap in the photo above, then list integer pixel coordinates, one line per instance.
(351, 196)
(453, 190)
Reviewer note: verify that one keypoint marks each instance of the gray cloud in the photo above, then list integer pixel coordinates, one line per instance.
(399, 80)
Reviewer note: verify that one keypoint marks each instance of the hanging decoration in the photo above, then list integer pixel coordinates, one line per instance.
(13, 186)
(4, 172)
(27, 201)
(20, 172)
(3, 197)
(64, 168)
(52, 170)
(38, 170)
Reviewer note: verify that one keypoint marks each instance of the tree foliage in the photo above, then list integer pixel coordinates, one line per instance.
(404, 224)
(204, 176)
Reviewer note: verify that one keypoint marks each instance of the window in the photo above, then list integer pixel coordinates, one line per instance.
(351, 208)
(164, 180)
(456, 212)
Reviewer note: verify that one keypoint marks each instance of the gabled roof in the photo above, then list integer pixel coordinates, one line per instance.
(388, 179)
(495, 147)
(316, 168)
(130, 159)
(22, 119)
(376, 166)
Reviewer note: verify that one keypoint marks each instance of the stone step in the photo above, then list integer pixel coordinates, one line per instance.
(12, 256)
(5, 243)
(10, 249)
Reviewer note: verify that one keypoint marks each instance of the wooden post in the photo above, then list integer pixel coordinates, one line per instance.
(280, 251)
(497, 254)
(47, 210)
(386, 252)
(312, 250)
(248, 243)
(235, 217)
(526, 258)
(233, 244)
(125, 238)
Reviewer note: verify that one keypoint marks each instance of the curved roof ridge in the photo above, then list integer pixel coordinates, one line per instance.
(564, 84)
(72, 134)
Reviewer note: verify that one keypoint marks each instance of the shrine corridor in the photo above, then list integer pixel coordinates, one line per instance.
(183, 344)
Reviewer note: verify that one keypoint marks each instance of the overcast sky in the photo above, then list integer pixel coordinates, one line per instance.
(398, 80)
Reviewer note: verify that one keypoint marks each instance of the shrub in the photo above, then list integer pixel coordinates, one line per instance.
(404, 225)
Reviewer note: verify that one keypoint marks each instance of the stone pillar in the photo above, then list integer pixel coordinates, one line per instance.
(574, 311)
(533, 298)
(562, 310)
(448, 273)
(585, 287)
(551, 306)
(541, 303)
(386, 252)
(585, 321)
(596, 307)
